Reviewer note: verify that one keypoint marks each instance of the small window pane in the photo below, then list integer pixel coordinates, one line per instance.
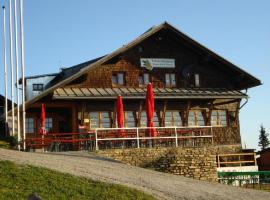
(191, 118)
(146, 78)
(114, 79)
(129, 119)
(49, 125)
(168, 118)
(197, 80)
(121, 79)
(141, 82)
(143, 120)
(223, 118)
(29, 125)
(177, 119)
(155, 120)
(173, 82)
(200, 119)
(94, 119)
(167, 79)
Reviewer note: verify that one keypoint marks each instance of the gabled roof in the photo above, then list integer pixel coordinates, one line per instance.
(91, 65)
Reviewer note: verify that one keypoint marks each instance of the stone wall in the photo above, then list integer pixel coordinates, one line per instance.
(197, 163)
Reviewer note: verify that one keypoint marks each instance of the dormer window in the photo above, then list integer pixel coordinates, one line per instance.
(170, 80)
(118, 78)
(38, 87)
(143, 79)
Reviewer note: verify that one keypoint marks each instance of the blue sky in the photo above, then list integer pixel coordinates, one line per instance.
(62, 33)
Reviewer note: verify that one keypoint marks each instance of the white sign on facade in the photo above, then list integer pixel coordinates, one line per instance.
(150, 63)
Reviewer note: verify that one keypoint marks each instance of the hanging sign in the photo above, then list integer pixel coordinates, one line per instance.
(150, 63)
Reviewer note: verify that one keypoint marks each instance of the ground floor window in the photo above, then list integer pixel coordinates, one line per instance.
(195, 118)
(29, 125)
(49, 124)
(173, 118)
(130, 119)
(219, 118)
(143, 119)
(100, 120)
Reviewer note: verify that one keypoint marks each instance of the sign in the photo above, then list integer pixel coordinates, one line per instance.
(150, 63)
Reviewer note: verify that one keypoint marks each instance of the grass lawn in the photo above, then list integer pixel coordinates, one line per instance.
(18, 181)
(4, 144)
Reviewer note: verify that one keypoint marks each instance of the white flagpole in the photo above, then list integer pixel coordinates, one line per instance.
(22, 66)
(5, 68)
(17, 73)
(11, 63)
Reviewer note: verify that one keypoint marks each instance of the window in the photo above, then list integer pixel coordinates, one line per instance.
(94, 120)
(144, 79)
(195, 118)
(100, 120)
(173, 118)
(197, 80)
(37, 87)
(49, 124)
(129, 119)
(118, 79)
(219, 118)
(170, 80)
(29, 125)
(143, 120)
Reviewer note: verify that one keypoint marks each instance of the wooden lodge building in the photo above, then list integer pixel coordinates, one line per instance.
(193, 86)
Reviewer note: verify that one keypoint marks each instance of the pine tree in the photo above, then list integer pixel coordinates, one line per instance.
(263, 138)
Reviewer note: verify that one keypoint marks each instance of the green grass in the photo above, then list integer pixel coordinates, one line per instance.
(18, 181)
(4, 144)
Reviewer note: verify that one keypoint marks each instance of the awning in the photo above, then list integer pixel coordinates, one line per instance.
(139, 93)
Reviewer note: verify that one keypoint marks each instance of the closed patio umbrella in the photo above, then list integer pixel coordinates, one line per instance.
(120, 115)
(42, 130)
(150, 109)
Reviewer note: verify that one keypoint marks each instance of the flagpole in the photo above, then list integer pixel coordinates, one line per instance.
(11, 63)
(22, 66)
(5, 68)
(17, 73)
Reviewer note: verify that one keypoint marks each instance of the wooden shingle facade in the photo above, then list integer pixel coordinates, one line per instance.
(193, 86)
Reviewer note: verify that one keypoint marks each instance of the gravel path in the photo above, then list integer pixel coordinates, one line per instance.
(160, 185)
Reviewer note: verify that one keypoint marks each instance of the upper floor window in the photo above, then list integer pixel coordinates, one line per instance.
(38, 87)
(173, 118)
(170, 80)
(29, 125)
(219, 118)
(195, 118)
(143, 79)
(118, 78)
(197, 80)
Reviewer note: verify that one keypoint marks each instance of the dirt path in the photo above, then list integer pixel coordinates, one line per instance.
(161, 185)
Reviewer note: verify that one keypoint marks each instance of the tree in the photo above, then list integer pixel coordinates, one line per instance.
(263, 138)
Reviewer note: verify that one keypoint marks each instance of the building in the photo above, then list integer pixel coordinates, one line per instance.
(264, 160)
(2, 115)
(193, 86)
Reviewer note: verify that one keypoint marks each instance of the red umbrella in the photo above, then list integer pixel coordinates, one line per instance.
(120, 115)
(150, 109)
(42, 130)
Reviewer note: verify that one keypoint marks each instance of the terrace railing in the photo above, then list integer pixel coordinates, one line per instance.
(165, 136)
(137, 137)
